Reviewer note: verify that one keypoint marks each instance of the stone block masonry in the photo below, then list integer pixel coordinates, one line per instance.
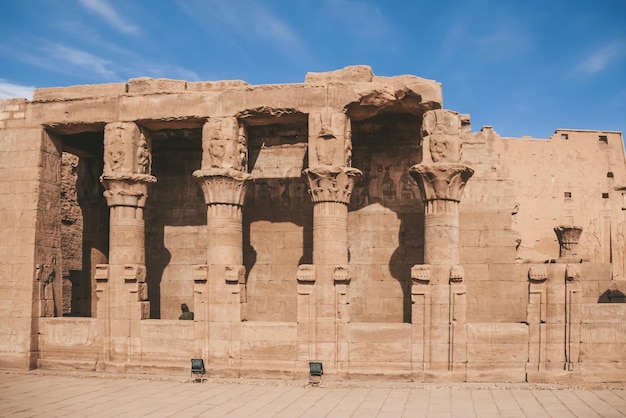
(348, 219)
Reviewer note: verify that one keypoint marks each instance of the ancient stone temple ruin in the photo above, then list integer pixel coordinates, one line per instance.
(350, 219)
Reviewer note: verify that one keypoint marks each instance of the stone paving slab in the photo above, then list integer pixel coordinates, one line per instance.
(58, 394)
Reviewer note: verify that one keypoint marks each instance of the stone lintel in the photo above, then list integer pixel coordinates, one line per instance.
(331, 183)
(223, 185)
(441, 181)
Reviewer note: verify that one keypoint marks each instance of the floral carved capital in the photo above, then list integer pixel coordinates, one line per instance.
(441, 181)
(127, 189)
(223, 185)
(331, 184)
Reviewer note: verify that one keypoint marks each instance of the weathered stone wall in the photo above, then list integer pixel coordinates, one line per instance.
(71, 232)
(419, 252)
(277, 221)
(176, 223)
(385, 222)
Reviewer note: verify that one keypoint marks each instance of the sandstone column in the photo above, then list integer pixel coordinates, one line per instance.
(441, 179)
(223, 180)
(126, 178)
(331, 180)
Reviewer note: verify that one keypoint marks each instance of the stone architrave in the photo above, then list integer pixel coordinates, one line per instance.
(126, 179)
(223, 180)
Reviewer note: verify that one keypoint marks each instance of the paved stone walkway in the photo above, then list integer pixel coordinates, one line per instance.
(46, 394)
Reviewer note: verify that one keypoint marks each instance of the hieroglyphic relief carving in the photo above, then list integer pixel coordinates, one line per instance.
(330, 133)
(442, 128)
(88, 187)
(45, 275)
(127, 149)
(225, 144)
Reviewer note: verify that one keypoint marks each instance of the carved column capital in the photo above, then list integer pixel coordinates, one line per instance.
(223, 185)
(568, 236)
(441, 181)
(331, 184)
(127, 189)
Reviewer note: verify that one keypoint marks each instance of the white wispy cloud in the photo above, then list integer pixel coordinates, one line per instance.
(103, 9)
(252, 22)
(81, 59)
(61, 58)
(362, 20)
(10, 90)
(602, 57)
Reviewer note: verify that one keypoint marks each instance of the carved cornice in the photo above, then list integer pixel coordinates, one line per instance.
(331, 184)
(223, 185)
(441, 181)
(127, 189)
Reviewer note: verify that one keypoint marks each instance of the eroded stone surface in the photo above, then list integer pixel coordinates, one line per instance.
(348, 219)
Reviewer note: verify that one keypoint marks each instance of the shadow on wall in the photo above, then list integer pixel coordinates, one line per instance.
(612, 296)
(390, 229)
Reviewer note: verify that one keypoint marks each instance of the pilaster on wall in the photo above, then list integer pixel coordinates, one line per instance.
(554, 315)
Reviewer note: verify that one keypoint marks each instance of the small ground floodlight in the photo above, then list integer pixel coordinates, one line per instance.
(315, 372)
(197, 369)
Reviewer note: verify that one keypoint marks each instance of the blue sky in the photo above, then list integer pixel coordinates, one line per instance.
(524, 67)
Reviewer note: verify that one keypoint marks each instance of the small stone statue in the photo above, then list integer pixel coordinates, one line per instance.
(186, 315)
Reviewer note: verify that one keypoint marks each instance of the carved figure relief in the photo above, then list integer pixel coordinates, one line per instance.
(325, 146)
(144, 158)
(443, 129)
(331, 139)
(389, 187)
(225, 144)
(242, 150)
(87, 184)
